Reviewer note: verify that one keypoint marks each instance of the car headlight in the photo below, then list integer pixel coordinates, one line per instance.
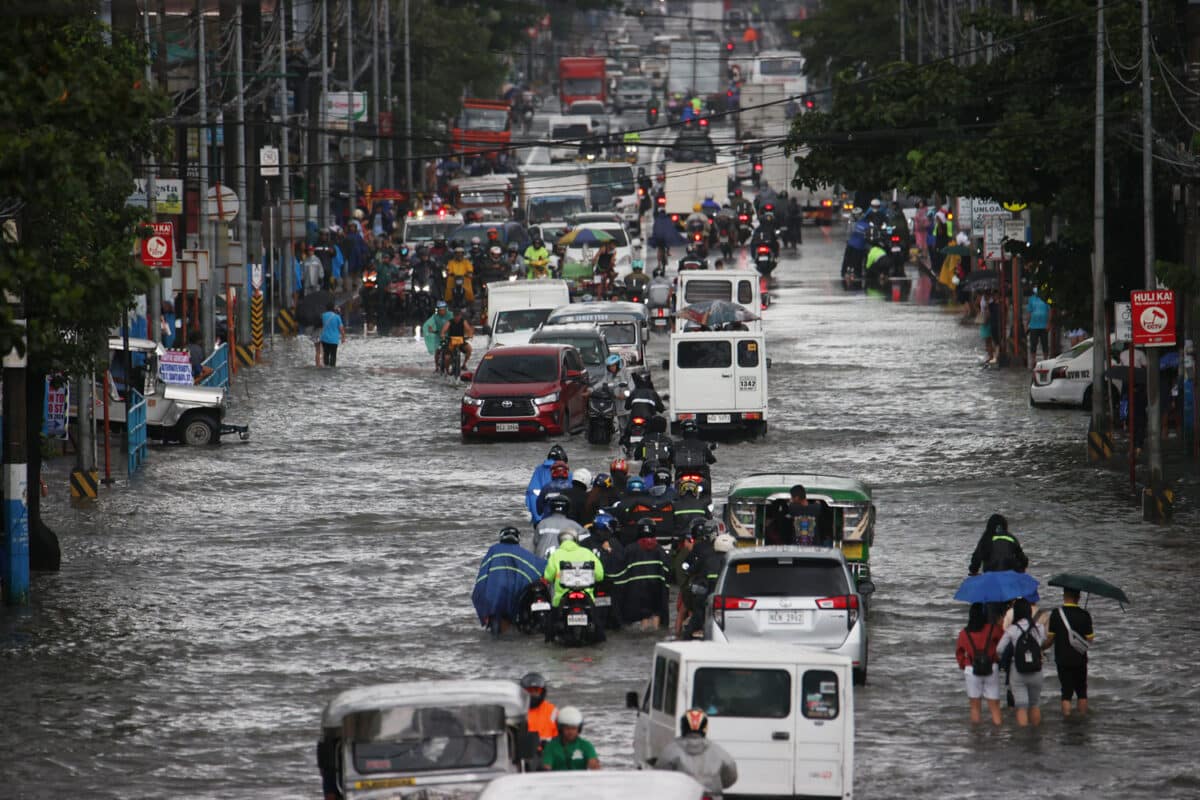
(472, 401)
(547, 398)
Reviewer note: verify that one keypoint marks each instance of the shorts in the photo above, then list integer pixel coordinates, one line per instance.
(1039, 336)
(1026, 688)
(987, 686)
(1074, 681)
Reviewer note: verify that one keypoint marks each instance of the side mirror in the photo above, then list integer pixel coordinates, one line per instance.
(866, 587)
(632, 700)
(466, 377)
(768, 363)
(485, 330)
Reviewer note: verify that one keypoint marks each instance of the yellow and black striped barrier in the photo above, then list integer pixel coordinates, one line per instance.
(1100, 446)
(1158, 505)
(256, 321)
(84, 484)
(287, 323)
(245, 356)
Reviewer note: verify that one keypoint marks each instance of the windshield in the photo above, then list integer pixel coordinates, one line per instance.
(620, 333)
(484, 119)
(482, 199)
(500, 368)
(617, 234)
(414, 739)
(635, 84)
(574, 87)
(577, 130)
(618, 180)
(694, 149)
(522, 319)
(699, 291)
(726, 692)
(785, 577)
(781, 66)
(427, 231)
(588, 346)
(468, 232)
(544, 210)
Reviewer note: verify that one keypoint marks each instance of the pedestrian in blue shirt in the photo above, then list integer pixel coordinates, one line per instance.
(1039, 323)
(333, 330)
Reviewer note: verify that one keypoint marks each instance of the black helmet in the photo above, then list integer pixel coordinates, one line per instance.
(703, 529)
(557, 453)
(510, 535)
(689, 426)
(645, 528)
(535, 685)
(559, 504)
(693, 721)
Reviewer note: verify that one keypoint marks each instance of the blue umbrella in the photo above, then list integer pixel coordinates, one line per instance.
(997, 587)
(665, 234)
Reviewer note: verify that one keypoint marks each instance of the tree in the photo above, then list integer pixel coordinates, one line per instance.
(847, 35)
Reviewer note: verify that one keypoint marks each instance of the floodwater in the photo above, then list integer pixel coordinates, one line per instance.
(205, 613)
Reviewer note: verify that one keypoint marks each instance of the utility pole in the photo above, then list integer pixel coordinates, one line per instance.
(203, 292)
(14, 554)
(1153, 418)
(352, 186)
(408, 127)
(154, 293)
(1099, 432)
(376, 180)
(243, 331)
(903, 32)
(287, 274)
(390, 164)
(322, 121)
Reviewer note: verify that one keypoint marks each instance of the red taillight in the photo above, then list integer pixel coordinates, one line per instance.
(641, 192)
(743, 218)
(674, 217)
(758, 167)
(1059, 372)
(703, 123)
(729, 93)
(695, 477)
(752, 415)
(762, 248)
(575, 595)
(845, 602)
(639, 420)
(696, 236)
(895, 239)
(826, 203)
(769, 207)
(734, 603)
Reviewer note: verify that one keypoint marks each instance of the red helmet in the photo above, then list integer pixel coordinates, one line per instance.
(559, 469)
(618, 465)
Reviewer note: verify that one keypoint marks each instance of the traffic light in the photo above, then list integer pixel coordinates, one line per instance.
(729, 46)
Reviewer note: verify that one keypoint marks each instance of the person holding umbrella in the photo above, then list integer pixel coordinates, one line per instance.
(975, 652)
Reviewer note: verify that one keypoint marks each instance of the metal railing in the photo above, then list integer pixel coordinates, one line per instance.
(219, 363)
(136, 426)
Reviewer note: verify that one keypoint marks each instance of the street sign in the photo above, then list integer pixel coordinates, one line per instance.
(992, 227)
(974, 209)
(1014, 230)
(1123, 329)
(342, 108)
(1015, 207)
(158, 249)
(1153, 318)
(256, 275)
(168, 195)
(175, 367)
(225, 210)
(268, 161)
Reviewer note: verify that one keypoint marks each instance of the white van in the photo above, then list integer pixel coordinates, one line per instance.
(626, 326)
(719, 379)
(594, 785)
(785, 713)
(741, 286)
(569, 131)
(515, 309)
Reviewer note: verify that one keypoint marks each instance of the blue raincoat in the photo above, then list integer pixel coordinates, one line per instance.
(665, 234)
(504, 573)
(540, 477)
(552, 486)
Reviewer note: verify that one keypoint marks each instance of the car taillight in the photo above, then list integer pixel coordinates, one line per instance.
(826, 203)
(722, 604)
(752, 415)
(1059, 372)
(743, 218)
(845, 602)
(758, 167)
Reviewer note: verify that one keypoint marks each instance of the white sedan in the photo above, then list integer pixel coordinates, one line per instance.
(1065, 380)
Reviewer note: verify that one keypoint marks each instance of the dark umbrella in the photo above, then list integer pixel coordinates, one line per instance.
(979, 280)
(1090, 584)
(665, 234)
(1121, 373)
(713, 313)
(311, 307)
(997, 587)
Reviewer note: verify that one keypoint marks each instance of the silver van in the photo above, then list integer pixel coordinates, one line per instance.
(586, 337)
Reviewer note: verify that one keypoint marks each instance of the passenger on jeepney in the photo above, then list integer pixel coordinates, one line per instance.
(805, 516)
(778, 528)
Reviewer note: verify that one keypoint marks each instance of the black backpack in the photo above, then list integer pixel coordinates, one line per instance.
(981, 663)
(1027, 655)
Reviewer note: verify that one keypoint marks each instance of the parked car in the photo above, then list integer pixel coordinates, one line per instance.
(791, 594)
(1066, 379)
(526, 389)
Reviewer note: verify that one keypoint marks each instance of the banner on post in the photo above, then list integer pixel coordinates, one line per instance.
(1153, 314)
(175, 367)
(54, 409)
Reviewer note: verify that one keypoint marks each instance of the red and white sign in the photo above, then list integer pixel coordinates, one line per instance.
(1153, 318)
(158, 249)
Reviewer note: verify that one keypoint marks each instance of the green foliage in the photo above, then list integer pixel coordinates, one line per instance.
(852, 36)
(75, 118)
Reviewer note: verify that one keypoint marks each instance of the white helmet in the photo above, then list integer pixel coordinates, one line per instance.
(570, 716)
(584, 476)
(724, 543)
(474, 240)
(567, 534)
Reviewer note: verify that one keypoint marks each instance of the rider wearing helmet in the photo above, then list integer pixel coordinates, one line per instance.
(537, 258)
(692, 455)
(555, 523)
(637, 279)
(559, 484)
(635, 504)
(643, 399)
(431, 329)
(689, 505)
(578, 493)
(493, 267)
(542, 713)
(569, 750)
(693, 754)
(696, 221)
(439, 251)
(505, 572)
(541, 476)
(603, 496)
(460, 266)
(570, 551)
(710, 205)
(644, 584)
(513, 261)
(619, 470)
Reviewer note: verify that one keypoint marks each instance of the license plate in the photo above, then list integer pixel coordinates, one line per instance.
(507, 427)
(787, 617)
(718, 418)
(540, 606)
(603, 601)
(577, 619)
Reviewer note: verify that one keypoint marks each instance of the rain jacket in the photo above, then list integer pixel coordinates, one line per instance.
(664, 233)
(706, 761)
(858, 236)
(546, 533)
(573, 553)
(540, 477)
(432, 330)
(563, 486)
(643, 398)
(503, 574)
(643, 587)
(874, 254)
(466, 269)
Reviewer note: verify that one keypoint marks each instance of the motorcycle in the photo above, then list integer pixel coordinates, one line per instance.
(576, 620)
(699, 242)
(692, 260)
(764, 260)
(658, 301)
(533, 609)
(725, 238)
(745, 229)
(634, 433)
(602, 413)
(458, 293)
(631, 153)
(651, 114)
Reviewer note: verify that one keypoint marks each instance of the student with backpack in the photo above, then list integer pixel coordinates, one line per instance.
(976, 655)
(1021, 646)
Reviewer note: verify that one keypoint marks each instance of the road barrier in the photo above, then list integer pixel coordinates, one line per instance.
(84, 484)
(136, 425)
(1100, 446)
(256, 322)
(245, 355)
(287, 323)
(219, 362)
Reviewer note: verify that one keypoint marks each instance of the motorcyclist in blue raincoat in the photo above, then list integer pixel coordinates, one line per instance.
(505, 571)
(540, 477)
(560, 483)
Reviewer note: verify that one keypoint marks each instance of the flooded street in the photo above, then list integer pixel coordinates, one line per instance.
(204, 615)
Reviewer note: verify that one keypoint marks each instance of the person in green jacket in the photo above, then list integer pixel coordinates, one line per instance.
(537, 259)
(432, 329)
(570, 551)
(568, 750)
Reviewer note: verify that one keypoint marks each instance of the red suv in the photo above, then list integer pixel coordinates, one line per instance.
(540, 389)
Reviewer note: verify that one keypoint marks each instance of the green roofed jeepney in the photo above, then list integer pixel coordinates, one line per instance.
(847, 516)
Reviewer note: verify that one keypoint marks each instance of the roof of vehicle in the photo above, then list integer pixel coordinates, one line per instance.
(136, 345)
(764, 484)
(448, 693)
(434, 217)
(483, 181)
(596, 216)
(771, 551)
(593, 785)
(584, 107)
(555, 198)
(747, 652)
(529, 350)
(767, 54)
(617, 308)
(538, 285)
(568, 328)
(702, 274)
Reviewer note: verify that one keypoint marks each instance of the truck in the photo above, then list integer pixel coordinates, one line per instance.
(689, 183)
(763, 112)
(581, 78)
(696, 68)
(562, 181)
(484, 127)
(782, 67)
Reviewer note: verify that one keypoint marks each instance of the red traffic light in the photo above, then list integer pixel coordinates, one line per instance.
(729, 46)
(703, 123)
